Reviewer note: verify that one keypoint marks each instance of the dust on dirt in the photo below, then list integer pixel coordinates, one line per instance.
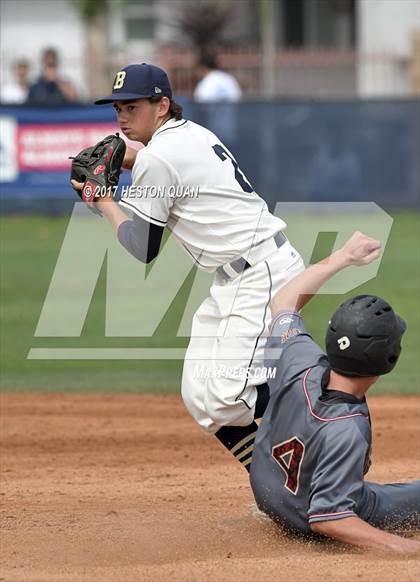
(128, 488)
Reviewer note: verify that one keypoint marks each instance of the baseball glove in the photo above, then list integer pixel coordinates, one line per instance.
(99, 168)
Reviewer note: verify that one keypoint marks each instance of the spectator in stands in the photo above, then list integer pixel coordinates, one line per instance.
(215, 85)
(51, 88)
(16, 91)
(217, 92)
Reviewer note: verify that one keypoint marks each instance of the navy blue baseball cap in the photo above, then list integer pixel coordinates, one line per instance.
(138, 82)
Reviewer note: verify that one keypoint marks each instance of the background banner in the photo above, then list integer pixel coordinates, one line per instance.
(289, 151)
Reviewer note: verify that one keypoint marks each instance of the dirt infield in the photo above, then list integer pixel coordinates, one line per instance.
(128, 488)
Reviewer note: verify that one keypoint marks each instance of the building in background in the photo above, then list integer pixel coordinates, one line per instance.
(28, 27)
(389, 32)
(293, 48)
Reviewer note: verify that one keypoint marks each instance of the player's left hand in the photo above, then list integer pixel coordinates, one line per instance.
(95, 170)
(361, 249)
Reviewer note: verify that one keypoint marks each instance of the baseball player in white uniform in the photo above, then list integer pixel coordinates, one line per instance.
(226, 228)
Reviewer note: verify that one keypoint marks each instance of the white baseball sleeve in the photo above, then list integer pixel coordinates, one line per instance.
(154, 180)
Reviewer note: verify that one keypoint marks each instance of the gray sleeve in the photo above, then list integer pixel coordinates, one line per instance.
(397, 505)
(140, 238)
(337, 481)
(290, 349)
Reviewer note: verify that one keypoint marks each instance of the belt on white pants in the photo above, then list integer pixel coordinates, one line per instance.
(256, 254)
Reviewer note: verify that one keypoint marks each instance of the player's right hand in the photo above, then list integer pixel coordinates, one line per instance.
(78, 186)
(361, 249)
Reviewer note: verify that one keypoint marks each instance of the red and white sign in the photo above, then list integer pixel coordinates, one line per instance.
(8, 158)
(47, 147)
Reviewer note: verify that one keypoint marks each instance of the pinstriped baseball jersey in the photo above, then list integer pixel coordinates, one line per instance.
(312, 448)
(187, 180)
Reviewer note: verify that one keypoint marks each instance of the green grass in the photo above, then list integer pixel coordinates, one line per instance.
(29, 250)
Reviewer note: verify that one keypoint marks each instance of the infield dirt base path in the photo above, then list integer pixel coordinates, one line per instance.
(127, 488)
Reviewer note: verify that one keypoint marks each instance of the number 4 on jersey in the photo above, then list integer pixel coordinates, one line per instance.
(239, 176)
(289, 455)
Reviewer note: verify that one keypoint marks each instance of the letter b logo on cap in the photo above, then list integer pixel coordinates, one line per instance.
(119, 80)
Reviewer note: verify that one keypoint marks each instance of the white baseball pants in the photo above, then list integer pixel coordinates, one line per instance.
(225, 357)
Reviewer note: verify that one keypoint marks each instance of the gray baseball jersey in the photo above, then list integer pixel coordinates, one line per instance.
(312, 448)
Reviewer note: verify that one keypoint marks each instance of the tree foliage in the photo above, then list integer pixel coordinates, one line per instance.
(204, 23)
(89, 9)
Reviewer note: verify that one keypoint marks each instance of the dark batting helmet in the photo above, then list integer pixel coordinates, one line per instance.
(364, 337)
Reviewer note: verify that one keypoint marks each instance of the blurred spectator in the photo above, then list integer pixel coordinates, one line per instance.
(217, 93)
(51, 89)
(16, 92)
(215, 85)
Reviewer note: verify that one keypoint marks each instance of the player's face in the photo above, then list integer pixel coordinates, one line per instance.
(139, 119)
